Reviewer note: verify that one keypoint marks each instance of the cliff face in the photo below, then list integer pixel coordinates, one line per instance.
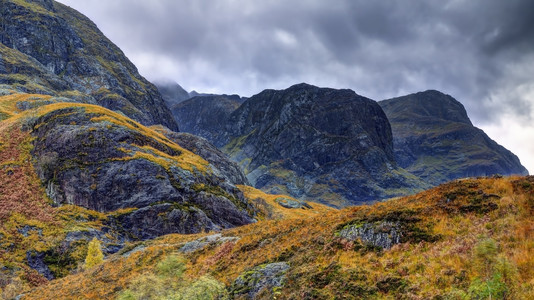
(205, 116)
(50, 48)
(328, 145)
(434, 139)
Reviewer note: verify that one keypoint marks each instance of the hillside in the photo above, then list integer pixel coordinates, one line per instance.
(434, 139)
(468, 239)
(319, 144)
(49, 48)
(72, 171)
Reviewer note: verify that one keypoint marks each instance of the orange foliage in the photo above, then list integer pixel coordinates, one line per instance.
(21, 190)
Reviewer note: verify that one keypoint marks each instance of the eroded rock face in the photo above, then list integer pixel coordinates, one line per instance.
(90, 162)
(53, 49)
(435, 140)
(259, 279)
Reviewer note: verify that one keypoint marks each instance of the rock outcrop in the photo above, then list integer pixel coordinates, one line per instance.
(91, 157)
(264, 278)
(49, 48)
(434, 139)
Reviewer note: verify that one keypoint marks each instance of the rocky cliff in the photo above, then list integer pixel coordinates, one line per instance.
(326, 145)
(434, 139)
(49, 48)
(205, 116)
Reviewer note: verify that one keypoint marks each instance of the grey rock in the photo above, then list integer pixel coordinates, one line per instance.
(27, 229)
(35, 261)
(200, 146)
(205, 241)
(205, 116)
(382, 234)
(252, 282)
(292, 204)
(134, 250)
(110, 241)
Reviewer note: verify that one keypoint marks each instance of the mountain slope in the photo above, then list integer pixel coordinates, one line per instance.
(468, 239)
(434, 139)
(49, 48)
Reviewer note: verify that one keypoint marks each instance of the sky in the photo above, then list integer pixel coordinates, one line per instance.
(481, 52)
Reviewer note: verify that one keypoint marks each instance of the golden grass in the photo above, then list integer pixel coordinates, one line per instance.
(270, 209)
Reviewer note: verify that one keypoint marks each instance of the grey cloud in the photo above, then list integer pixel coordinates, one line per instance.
(381, 49)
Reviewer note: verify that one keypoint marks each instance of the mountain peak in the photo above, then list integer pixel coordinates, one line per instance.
(435, 140)
(431, 103)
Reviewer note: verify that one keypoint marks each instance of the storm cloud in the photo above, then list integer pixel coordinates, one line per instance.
(480, 52)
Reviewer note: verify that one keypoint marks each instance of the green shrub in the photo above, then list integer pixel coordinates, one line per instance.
(204, 288)
(171, 266)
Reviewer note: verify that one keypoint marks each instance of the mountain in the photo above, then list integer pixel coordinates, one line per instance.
(328, 145)
(171, 92)
(434, 139)
(467, 239)
(49, 48)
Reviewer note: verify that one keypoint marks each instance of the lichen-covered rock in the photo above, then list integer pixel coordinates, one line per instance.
(263, 277)
(47, 47)
(94, 158)
(381, 234)
(290, 203)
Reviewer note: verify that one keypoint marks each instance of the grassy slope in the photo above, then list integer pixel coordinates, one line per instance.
(442, 253)
(24, 204)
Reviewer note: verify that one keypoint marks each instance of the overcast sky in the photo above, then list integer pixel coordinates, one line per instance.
(480, 52)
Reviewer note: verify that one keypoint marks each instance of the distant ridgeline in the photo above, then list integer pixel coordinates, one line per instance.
(339, 148)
